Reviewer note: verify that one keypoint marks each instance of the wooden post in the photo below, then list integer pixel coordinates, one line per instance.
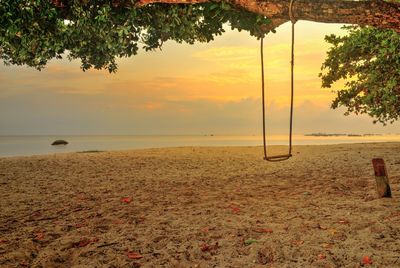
(381, 177)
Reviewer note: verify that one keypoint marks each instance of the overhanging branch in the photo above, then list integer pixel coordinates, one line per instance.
(378, 13)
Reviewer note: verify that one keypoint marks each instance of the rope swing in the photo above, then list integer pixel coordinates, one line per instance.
(277, 158)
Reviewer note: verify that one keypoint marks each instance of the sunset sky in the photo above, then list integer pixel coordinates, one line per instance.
(183, 89)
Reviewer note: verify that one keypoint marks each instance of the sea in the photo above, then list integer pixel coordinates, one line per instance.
(41, 145)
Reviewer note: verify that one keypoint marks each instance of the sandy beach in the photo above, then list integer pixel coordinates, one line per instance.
(200, 207)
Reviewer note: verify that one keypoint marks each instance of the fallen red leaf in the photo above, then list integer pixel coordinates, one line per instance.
(297, 242)
(126, 200)
(134, 255)
(39, 236)
(80, 225)
(83, 243)
(327, 246)
(81, 197)
(204, 247)
(205, 229)
(36, 214)
(366, 260)
(24, 263)
(235, 210)
(321, 257)
(263, 230)
(119, 221)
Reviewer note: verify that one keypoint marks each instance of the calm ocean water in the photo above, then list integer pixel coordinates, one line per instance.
(38, 145)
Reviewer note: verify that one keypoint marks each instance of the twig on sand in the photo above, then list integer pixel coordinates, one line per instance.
(107, 245)
(42, 219)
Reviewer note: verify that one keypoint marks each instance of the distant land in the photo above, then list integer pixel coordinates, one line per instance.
(340, 135)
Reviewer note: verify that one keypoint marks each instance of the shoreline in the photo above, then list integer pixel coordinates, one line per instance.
(27, 146)
(194, 146)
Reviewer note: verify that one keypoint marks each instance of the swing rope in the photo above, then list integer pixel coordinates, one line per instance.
(277, 158)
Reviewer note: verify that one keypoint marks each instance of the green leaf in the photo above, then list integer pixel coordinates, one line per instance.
(250, 241)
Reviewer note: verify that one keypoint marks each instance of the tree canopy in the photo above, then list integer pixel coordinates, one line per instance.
(97, 32)
(368, 60)
(33, 32)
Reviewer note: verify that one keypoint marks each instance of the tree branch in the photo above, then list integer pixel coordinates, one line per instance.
(378, 13)
(146, 2)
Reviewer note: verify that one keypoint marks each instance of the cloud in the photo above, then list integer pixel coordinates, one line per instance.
(47, 113)
(201, 89)
(227, 54)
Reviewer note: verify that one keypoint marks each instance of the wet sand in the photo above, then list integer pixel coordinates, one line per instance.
(200, 207)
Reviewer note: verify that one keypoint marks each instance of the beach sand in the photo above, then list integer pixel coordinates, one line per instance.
(200, 207)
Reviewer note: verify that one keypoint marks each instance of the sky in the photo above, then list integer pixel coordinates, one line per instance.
(183, 90)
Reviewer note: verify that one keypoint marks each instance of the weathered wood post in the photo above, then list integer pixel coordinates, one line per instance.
(381, 177)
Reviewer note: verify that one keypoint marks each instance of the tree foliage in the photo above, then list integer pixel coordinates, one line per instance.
(96, 32)
(368, 60)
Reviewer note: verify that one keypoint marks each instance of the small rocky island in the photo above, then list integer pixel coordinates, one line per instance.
(59, 142)
(340, 135)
